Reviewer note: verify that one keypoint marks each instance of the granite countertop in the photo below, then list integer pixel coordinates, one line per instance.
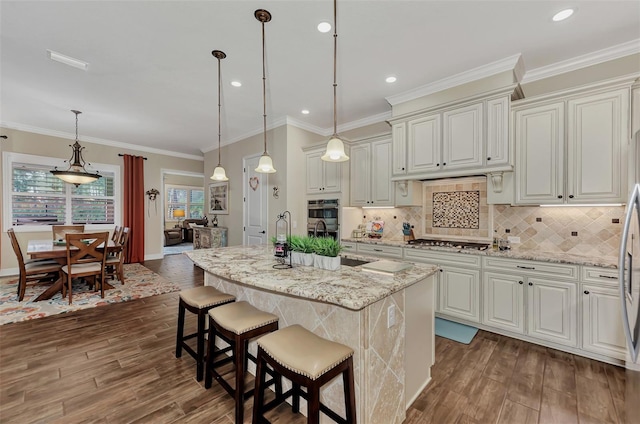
(349, 287)
(514, 253)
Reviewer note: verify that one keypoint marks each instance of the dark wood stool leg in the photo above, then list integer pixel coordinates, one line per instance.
(258, 393)
(200, 346)
(211, 346)
(180, 332)
(349, 392)
(313, 403)
(295, 398)
(240, 352)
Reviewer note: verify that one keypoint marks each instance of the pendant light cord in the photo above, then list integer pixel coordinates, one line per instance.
(219, 108)
(264, 92)
(335, 59)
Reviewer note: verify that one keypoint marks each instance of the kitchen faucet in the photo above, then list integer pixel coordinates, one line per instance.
(315, 228)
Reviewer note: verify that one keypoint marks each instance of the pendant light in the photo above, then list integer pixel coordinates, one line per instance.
(335, 146)
(265, 165)
(76, 174)
(219, 173)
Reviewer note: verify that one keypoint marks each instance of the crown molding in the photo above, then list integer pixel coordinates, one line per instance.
(578, 62)
(95, 140)
(511, 63)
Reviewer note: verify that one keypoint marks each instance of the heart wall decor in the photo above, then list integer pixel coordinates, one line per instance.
(253, 183)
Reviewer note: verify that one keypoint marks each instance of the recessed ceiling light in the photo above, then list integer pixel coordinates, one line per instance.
(305, 112)
(236, 83)
(324, 27)
(562, 15)
(67, 60)
(390, 79)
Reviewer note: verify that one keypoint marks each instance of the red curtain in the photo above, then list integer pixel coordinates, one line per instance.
(133, 207)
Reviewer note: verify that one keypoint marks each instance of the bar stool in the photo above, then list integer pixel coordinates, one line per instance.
(199, 301)
(237, 323)
(307, 360)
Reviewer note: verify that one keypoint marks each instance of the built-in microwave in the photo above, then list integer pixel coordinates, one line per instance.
(322, 217)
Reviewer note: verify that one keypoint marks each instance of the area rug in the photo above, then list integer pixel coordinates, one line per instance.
(139, 282)
(453, 331)
(178, 248)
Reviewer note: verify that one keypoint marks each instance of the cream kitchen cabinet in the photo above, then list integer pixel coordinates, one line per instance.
(571, 150)
(503, 301)
(370, 172)
(322, 177)
(459, 283)
(602, 331)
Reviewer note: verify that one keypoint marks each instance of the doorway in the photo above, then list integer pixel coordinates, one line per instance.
(255, 209)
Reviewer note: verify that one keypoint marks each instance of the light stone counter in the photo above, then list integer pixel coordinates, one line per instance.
(388, 320)
(514, 253)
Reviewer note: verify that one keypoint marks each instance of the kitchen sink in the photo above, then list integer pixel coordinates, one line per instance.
(352, 262)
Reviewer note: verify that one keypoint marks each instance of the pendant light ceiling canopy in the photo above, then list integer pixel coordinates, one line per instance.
(219, 173)
(335, 146)
(265, 165)
(76, 174)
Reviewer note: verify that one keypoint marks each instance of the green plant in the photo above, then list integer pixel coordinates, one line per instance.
(307, 243)
(296, 243)
(326, 246)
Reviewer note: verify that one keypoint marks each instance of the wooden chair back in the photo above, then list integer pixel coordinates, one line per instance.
(90, 248)
(117, 234)
(16, 249)
(59, 231)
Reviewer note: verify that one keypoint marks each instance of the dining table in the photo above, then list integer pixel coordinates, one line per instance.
(52, 249)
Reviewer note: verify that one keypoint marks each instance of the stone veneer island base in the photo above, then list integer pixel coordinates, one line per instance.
(349, 306)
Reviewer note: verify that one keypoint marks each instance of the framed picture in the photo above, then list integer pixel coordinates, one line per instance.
(219, 198)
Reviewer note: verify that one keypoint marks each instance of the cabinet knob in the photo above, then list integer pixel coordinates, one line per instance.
(441, 270)
(559, 196)
(571, 196)
(444, 163)
(263, 232)
(489, 158)
(437, 164)
(530, 283)
(520, 282)
(586, 292)
(403, 169)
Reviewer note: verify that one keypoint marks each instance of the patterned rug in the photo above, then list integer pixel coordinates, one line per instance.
(139, 282)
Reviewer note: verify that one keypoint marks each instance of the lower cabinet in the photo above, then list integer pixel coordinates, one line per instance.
(503, 301)
(552, 312)
(459, 293)
(208, 237)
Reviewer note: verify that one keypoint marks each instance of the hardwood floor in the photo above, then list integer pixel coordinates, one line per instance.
(116, 364)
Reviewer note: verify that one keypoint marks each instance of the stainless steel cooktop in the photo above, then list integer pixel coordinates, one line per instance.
(449, 243)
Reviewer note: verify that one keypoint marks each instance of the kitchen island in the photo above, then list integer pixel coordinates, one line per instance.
(387, 319)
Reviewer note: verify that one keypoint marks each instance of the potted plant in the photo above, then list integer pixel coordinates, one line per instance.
(307, 244)
(326, 251)
(296, 248)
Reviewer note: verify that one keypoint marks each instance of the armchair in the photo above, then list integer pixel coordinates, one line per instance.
(172, 236)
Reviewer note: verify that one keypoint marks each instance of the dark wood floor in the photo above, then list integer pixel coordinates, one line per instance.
(116, 364)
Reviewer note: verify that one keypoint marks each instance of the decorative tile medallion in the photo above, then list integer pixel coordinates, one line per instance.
(456, 209)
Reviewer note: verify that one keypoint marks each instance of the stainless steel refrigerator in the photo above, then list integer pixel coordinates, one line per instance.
(629, 280)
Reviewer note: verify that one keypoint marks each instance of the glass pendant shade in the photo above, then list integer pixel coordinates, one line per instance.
(219, 174)
(265, 165)
(335, 151)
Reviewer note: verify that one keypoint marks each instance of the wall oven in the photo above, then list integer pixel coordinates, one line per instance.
(322, 218)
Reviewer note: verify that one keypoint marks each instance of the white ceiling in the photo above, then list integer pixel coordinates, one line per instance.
(152, 80)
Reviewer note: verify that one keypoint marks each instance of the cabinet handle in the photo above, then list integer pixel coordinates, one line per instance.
(347, 247)
(586, 292)
(571, 196)
(488, 158)
(520, 282)
(559, 196)
(525, 267)
(608, 276)
(377, 250)
(263, 232)
(530, 283)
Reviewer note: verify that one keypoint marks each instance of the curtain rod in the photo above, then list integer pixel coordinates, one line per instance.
(121, 154)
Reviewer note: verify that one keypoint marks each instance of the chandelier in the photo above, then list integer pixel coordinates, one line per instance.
(219, 173)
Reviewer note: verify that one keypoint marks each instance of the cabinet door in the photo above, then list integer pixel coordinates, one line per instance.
(382, 188)
(314, 173)
(459, 293)
(332, 176)
(462, 138)
(498, 148)
(503, 305)
(398, 134)
(552, 311)
(539, 135)
(360, 174)
(601, 324)
(423, 144)
(596, 134)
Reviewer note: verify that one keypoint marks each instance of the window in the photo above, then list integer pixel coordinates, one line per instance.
(35, 197)
(187, 199)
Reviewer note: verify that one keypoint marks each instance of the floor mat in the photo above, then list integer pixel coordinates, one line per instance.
(457, 332)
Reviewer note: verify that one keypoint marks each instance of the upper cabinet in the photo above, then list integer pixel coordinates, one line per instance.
(371, 164)
(322, 177)
(461, 139)
(571, 150)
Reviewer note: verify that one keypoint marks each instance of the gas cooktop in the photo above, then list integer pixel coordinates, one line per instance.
(449, 243)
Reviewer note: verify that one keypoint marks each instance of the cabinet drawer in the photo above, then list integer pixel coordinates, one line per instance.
(378, 250)
(592, 274)
(442, 258)
(349, 246)
(535, 267)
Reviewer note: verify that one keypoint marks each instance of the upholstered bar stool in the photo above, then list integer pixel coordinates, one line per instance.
(237, 323)
(307, 360)
(199, 301)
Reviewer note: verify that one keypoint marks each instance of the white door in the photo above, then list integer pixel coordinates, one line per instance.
(602, 330)
(255, 191)
(459, 293)
(462, 138)
(503, 301)
(424, 139)
(360, 175)
(552, 310)
(498, 132)
(382, 188)
(399, 149)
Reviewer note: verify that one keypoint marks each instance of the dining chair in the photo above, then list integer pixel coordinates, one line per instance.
(117, 234)
(115, 262)
(59, 231)
(33, 271)
(86, 257)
